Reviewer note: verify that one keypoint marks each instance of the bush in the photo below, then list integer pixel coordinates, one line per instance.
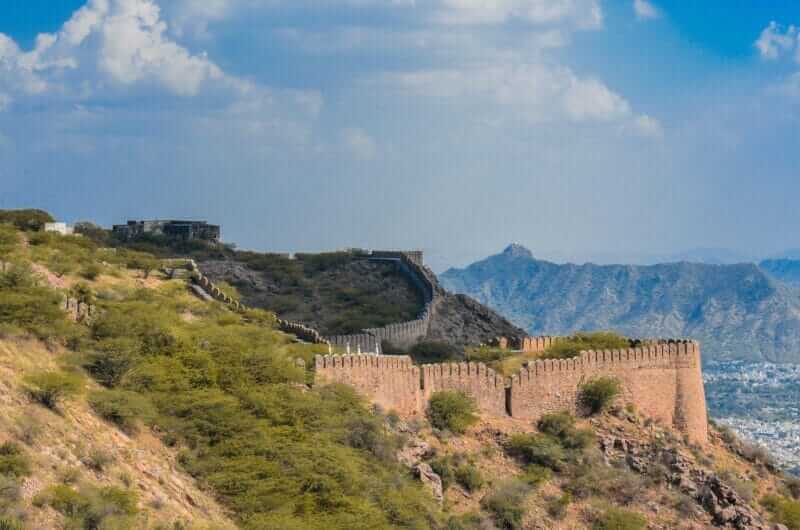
(443, 466)
(506, 504)
(572, 346)
(10, 524)
(598, 394)
(91, 271)
(98, 460)
(561, 425)
(784, 511)
(469, 477)
(27, 219)
(92, 508)
(539, 449)
(557, 506)
(793, 486)
(49, 388)
(13, 462)
(122, 408)
(434, 352)
(452, 411)
(616, 519)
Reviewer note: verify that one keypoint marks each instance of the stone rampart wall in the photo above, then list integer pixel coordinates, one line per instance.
(390, 381)
(661, 378)
(486, 387)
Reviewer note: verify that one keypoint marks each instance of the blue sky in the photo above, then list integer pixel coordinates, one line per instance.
(584, 129)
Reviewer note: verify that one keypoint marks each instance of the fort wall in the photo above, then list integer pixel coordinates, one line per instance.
(487, 388)
(662, 379)
(392, 382)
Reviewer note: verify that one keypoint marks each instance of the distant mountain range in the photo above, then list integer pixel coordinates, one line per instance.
(741, 310)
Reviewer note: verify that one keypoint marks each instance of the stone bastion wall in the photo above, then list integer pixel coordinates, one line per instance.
(662, 379)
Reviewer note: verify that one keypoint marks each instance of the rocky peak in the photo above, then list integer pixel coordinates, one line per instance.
(515, 250)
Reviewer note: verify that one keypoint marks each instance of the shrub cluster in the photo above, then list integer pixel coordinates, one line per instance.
(617, 519)
(558, 444)
(598, 394)
(50, 388)
(88, 507)
(784, 511)
(452, 411)
(572, 346)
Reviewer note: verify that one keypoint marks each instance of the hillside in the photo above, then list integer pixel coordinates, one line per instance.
(341, 293)
(785, 270)
(737, 311)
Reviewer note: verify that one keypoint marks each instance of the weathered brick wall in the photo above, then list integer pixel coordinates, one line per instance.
(537, 344)
(482, 383)
(662, 379)
(390, 381)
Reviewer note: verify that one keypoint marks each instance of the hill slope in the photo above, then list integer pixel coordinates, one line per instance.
(735, 310)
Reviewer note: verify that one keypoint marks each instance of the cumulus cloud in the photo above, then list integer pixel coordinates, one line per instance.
(535, 92)
(581, 13)
(774, 42)
(645, 10)
(359, 144)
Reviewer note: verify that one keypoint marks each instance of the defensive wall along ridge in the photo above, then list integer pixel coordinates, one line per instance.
(662, 379)
(401, 334)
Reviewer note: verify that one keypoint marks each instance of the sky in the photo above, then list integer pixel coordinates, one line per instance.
(625, 131)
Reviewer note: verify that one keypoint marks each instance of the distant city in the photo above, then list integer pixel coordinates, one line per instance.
(761, 402)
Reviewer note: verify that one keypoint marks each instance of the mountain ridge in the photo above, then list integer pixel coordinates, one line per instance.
(737, 311)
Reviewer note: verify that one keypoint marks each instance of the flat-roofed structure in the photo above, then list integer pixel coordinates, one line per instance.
(171, 228)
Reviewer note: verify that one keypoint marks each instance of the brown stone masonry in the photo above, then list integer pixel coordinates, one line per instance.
(389, 381)
(486, 388)
(662, 379)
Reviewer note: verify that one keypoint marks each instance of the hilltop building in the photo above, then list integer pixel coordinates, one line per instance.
(170, 228)
(60, 228)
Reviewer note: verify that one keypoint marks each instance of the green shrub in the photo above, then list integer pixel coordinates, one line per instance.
(792, 485)
(784, 511)
(434, 352)
(49, 388)
(452, 411)
(616, 519)
(92, 508)
(443, 466)
(125, 409)
(26, 219)
(506, 504)
(598, 394)
(10, 524)
(91, 271)
(539, 449)
(13, 461)
(556, 423)
(572, 346)
(469, 477)
(469, 521)
(557, 506)
(99, 460)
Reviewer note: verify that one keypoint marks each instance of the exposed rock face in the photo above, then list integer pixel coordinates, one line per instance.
(462, 321)
(431, 480)
(735, 310)
(708, 489)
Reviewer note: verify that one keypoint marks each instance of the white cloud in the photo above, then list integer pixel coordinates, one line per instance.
(5, 101)
(359, 144)
(774, 41)
(582, 13)
(534, 92)
(648, 126)
(645, 10)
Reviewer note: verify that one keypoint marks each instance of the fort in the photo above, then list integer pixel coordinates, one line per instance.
(661, 378)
